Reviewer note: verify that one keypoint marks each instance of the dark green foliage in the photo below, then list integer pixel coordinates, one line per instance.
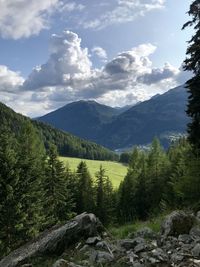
(10, 207)
(104, 197)
(67, 144)
(21, 174)
(58, 202)
(85, 190)
(192, 63)
(125, 157)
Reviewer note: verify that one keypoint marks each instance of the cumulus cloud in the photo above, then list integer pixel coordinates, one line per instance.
(10, 81)
(124, 11)
(100, 52)
(68, 75)
(24, 18)
(158, 74)
(67, 64)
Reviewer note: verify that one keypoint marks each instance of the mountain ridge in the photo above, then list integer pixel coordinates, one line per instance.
(138, 125)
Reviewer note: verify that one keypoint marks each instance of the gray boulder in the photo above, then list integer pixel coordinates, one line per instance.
(55, 240)
(131, 243)
(177, 223)
(145, 232)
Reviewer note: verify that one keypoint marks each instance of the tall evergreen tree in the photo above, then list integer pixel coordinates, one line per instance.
(192, 63)
(11, 213)
(104, 196)
(85, 197)
(58, 199)
(31, 163)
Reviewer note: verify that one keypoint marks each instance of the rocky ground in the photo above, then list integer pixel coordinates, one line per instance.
(83, 242)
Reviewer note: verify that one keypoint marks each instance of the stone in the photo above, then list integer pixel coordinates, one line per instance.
(195, 232)
(177, 223)
(98, 256)
(140, 248)
(196, 251)
(145, 232)
(186, 239)
(131, 243)
(160, 255)
(93, 240)
(55, 240)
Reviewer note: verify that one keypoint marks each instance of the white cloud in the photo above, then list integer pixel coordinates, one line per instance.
(67, 64)
(9, 80)
(22, 18)
(100, 52)
(124, 11)
(68, 76)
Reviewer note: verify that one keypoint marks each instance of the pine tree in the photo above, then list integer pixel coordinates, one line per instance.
(58, 199)
(10, 206)
(192, 63)
(31, 163)
(85, 198)
(105, 206)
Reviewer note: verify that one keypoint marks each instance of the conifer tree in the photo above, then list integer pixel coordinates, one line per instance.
(10, 206)
(31, 163)
(58, 199)
(85, 197)
(104, 196)
(192, 63)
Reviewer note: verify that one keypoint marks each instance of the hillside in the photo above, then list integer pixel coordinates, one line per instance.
(161, 116)
(82, 118)
(67, 144)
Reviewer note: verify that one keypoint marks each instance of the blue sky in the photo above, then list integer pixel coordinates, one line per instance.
(53, 52)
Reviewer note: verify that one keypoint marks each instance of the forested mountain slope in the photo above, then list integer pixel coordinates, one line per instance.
(67, 144)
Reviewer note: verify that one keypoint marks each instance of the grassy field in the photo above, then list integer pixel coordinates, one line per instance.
(116, 171)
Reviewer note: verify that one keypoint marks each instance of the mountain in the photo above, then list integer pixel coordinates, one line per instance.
(67, 144)
(82, 118)
(162, 116)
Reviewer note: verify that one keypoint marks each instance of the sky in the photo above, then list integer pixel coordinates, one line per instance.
(116, 52)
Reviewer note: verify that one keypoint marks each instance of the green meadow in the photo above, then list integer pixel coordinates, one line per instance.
(115, 170)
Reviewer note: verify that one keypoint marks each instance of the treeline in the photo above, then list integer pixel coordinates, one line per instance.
(158, 180)
(67, 144)
(37, 191)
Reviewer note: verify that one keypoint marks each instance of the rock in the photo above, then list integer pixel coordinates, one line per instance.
(195, 232)
(177, 223)
(98, 256)
(141, 248)
(186, 239)
(145, 232)
(131, 243)
(198, 216)
(160, 255)
(60, 263)
(93, 240)
(27, 265)
(55, 240)
(196, 251)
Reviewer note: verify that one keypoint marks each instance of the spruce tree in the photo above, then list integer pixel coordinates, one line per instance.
(58, 200)
(85, 197)
(31, 163)
(192, 63)
(11, 213)
(104, 197)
